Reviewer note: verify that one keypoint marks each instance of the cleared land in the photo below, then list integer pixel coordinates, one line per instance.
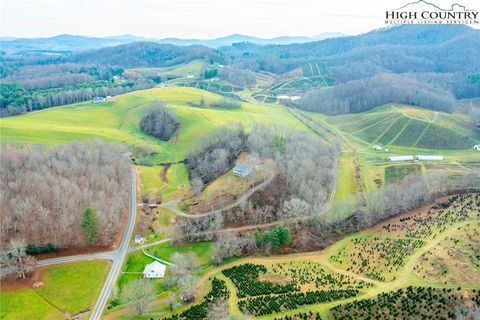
(193, 68)
(67, 289)
(384, 267)
(118, 120)
(404, 126)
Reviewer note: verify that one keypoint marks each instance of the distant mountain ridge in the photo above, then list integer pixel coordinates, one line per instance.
(73, 43)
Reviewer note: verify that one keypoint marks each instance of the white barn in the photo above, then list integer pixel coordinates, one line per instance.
(377, 147)
(401, 158)
(477, 147)
(154, 270)
(429, 158)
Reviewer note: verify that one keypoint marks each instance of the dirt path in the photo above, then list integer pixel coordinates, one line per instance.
(172, 204)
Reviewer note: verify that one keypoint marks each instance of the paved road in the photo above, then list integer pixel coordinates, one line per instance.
(119, 254)
(81, 257)
(116, 256)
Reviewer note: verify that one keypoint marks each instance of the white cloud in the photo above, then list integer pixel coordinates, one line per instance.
(194, 18)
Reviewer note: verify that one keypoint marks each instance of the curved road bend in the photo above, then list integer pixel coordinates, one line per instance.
(118, 255)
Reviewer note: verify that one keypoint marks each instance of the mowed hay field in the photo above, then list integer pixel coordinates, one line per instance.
(67, 290)
(118, 120)
(193, 68)
(411, 127)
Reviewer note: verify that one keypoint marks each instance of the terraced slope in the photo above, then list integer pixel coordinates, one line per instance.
(405, 126)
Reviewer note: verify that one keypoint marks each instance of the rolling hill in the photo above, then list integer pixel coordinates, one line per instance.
(146, 54)
(117, 120)
(394, 125)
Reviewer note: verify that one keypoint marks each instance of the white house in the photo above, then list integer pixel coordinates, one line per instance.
(377, 147)
(242, 170)
(477, 147)
(401, 158)
(429, 158)
(190, 76)
(154, 270)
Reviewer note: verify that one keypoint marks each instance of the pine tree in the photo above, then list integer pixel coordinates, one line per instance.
(90, 225)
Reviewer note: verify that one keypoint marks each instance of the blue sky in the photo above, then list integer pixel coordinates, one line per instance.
(195, 18)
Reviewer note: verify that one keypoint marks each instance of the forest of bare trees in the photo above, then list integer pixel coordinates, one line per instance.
(365, 94)
(304, 168)
(46, 190)
(159, 122)
(238, 76)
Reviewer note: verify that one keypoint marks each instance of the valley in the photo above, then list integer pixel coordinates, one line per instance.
(242, 182)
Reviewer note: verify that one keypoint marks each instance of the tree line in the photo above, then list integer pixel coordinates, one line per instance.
(364, 94)
(14, 99)
(46, 191)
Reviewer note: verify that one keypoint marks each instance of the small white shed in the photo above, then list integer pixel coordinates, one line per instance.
(154, 270)
(377, 147)
(477, 147)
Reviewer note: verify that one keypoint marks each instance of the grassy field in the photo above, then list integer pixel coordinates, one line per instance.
(396, 173)
(193, 68)
(314, 69)
(118, 119)
(67, 289)
(346, 184)
(136, 261)
(410, 127)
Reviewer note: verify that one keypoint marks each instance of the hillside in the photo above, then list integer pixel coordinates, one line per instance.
(145, 54)
(409, 127)
(423, 48)
(118, 120)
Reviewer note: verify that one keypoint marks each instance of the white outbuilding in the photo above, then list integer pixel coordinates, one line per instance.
(377, 147)
(401, 158)
(429, 158)
(477, 147)
(154, 270)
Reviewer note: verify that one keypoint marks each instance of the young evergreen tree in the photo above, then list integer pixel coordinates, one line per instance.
(90, 225)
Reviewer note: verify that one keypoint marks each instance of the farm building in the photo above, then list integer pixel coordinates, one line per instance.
(377, 147)
(295, 98)
(477, 147)
(99, 99)
(154, 270)
(242, 170)
(429, 158)
(401, 158)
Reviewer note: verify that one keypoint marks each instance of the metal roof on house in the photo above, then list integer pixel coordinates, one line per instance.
(242, 168)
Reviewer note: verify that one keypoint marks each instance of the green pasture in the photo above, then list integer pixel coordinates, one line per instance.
(67, 288)
(117, 120)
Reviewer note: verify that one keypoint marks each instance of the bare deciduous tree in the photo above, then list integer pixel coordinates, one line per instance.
(138, 293)
(17, 259)
(219, 310)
